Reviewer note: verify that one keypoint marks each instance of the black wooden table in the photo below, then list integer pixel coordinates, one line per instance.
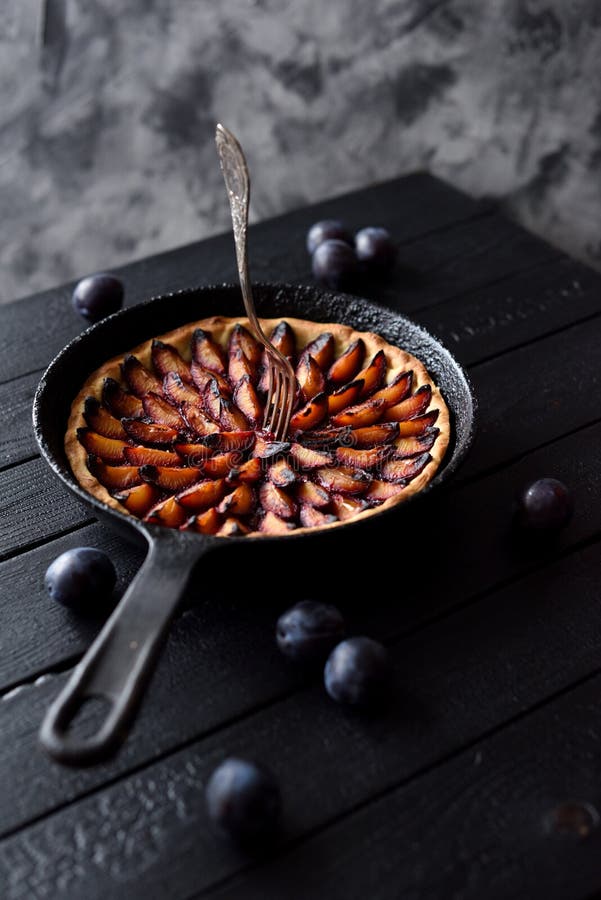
(483, 778)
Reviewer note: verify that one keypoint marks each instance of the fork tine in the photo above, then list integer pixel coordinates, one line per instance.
(275, 376)
(280, 400)
(280, 431)
(282, 406)
(269, 400)
(289, 403)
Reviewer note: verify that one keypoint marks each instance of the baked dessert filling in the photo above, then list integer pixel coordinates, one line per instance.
(172, 432)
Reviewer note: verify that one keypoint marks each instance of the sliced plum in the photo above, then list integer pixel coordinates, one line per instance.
(247, 401)
(149, 432)
(343, 480)
(241, 502)
(179, 391)
(281, 473)
(398, 389)
(345, 368)
(311, 414)
(274, 524)
(344, 397)
(361, 415)
(208, 522)
(373, 374)
(162, 412)
(100, 420)
(404, 469)
(139, 499)
(139, 379)
(207, 352)
(308, 458)
(274, 499)
(114, 478)
(413, 446)
(322, 350)
(310, 377)
(311, 517)
(372, 435)
(202, 495)
(121, 403)
(311, 494)
(167, 360)
(413, 406)
(241, 338)
(284, 339)
(362, 459)
(151, 456)
(108, 449)
(167, 512)
(170, 478)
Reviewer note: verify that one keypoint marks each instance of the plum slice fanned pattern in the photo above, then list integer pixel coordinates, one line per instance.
(180, 443)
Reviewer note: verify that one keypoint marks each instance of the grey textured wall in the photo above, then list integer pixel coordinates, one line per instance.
(108, 109)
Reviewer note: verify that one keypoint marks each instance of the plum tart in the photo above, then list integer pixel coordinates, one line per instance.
(172, 432)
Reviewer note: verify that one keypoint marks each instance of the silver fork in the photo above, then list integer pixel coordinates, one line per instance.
(282, 381)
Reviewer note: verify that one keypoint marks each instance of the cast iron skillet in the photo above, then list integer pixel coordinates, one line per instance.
(120, 661)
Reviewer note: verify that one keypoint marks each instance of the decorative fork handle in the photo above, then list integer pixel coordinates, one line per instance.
(282, 381)
(237, 182)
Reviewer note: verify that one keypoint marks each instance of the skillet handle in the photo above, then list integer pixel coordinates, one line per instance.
(118, 665)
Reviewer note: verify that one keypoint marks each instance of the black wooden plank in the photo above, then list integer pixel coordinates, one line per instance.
(492, 320)
(454, 683)
(33, 330)
(16, 439)
(527, 394)
(221, 660)
(482, 825)
(36, 633)
(34, 506)
(466, 257)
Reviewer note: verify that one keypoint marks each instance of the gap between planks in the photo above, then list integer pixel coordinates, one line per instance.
(499, 467)
(48, 540)
(40, 677)
(534, 340)
(18, 462)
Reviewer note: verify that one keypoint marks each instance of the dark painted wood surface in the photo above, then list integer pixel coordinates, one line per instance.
(494, 720)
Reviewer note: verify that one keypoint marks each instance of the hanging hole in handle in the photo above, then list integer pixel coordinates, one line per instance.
(84, 730)
(88, 717)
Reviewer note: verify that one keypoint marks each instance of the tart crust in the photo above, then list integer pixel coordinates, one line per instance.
(305, 331)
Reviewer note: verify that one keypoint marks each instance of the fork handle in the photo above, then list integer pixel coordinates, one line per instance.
(237, 182)
(281, 377)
